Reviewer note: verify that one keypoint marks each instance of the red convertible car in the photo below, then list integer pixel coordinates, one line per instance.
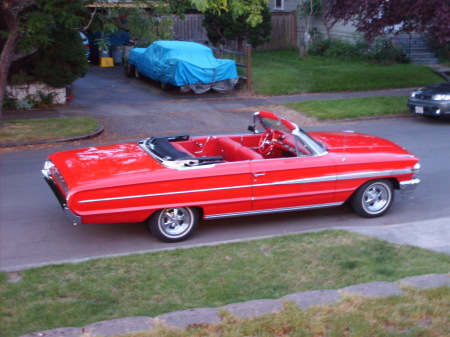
(170, 183)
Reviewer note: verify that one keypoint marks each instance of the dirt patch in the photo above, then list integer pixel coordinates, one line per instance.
(283, 111)
(14, 277)
(291, 114)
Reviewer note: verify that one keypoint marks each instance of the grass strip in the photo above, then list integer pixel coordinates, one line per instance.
(283, 72)
(416, 313)
(336, 109)
(152, 284)
(39, 129)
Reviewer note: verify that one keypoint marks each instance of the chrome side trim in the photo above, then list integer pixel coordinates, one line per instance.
(348, 176)
(275, 210)
(409, 185)
(166, 193)
(373, 174)
(303, 181)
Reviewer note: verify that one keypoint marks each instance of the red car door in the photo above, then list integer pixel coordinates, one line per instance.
(293, 183)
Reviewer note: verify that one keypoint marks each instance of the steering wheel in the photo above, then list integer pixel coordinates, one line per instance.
(267, 141)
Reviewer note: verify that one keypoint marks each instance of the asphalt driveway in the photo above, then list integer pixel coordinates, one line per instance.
(133, 108)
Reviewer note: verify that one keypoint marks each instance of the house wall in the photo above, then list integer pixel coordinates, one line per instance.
(339, 30)
(287, 5)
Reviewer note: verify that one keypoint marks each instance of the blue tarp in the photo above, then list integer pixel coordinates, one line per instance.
(183, 64)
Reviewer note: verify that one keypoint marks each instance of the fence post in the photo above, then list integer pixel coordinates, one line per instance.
(249, 67)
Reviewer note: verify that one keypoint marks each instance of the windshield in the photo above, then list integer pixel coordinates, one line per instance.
(264, 120)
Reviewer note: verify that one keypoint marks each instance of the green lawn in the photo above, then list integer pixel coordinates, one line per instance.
(284, 72)
(41, 129)
(152, 284)
(416, 313)
(352, 108)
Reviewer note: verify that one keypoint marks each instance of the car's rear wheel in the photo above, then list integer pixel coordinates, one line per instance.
(173, 224)
(373, 199)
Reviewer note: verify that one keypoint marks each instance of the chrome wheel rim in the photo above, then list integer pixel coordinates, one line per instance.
(376, 198)
(174, 222)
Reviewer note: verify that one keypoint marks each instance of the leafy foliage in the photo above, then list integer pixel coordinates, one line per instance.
(250, 9)
(376, 17)
(224, 26)
(58, 64)
(25, 27)
(37, 18)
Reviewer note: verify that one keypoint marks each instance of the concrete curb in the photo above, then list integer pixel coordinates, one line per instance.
(250, 309)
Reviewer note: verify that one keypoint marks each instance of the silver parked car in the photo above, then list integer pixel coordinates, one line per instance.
(431, 101)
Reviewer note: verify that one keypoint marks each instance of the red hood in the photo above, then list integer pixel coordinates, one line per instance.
(95, 164)
(351, 142)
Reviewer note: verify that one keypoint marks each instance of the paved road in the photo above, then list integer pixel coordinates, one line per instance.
(34, 231)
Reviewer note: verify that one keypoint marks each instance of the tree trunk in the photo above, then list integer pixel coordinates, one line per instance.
(9, 11)
(5, 63)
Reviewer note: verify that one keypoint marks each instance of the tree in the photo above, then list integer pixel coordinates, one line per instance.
(252, 9)
(26, 24)
(326, 17)
(224, 26)
(307, 9)
(377, 17)
(60, 63)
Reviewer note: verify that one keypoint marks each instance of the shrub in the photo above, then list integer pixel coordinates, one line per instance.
(39, 100)
(384, 50)
(319, 47)
(442, 52)
(380, 50)
(58, 64)
(23, 104)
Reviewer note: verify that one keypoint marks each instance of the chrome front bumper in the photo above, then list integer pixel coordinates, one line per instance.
(409, 185)
(76, 220)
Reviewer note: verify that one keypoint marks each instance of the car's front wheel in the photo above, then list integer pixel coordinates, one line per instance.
(373, 198)
(137, 74)
(173, 224)
(129, 70)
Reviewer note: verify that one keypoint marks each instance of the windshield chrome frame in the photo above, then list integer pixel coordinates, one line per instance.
(316, 148)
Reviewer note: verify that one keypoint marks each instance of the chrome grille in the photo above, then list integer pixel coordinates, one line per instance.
(423, 96)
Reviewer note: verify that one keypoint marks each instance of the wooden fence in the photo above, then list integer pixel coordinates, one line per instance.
(283, 36)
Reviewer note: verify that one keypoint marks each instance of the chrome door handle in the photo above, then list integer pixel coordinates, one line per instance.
(259, 174)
